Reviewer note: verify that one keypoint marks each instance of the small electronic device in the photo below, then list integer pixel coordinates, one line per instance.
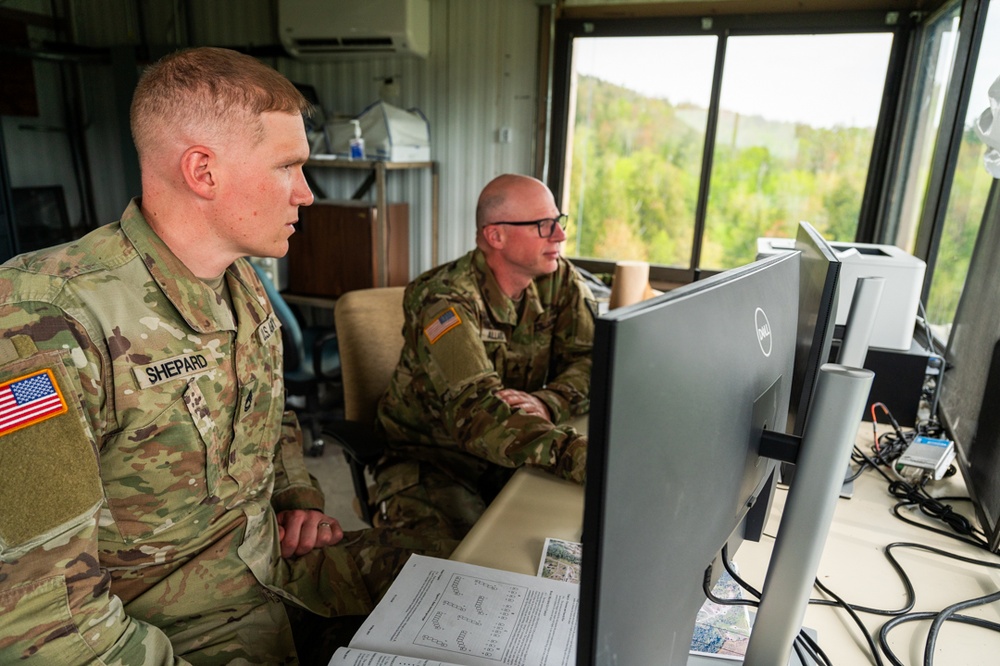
(929, 453)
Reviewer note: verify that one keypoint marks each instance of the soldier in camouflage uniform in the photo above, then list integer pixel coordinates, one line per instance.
(495, 360)
(154, 507)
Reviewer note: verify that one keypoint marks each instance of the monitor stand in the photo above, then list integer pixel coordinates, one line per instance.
(854, 349)
(830, 432)
(826, 445)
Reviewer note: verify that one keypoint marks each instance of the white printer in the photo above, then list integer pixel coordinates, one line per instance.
(904, 278)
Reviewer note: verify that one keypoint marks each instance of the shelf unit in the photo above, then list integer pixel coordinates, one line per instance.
(377, 174)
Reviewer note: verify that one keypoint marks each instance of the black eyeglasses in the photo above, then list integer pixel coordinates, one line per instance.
(546, 227)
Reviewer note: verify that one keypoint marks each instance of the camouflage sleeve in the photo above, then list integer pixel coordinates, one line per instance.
(451, 350)
(294, 487)
(567, 394)
(55, 596)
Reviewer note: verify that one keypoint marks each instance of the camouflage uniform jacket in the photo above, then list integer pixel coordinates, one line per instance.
(463, 341)
(136, 521)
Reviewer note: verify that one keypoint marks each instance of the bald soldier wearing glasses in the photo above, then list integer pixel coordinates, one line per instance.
(496, 360)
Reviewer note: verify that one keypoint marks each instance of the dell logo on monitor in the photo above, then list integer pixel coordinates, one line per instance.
(763, 331)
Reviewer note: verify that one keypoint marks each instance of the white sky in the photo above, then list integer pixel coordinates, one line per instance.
(988, 69)
(822, 80)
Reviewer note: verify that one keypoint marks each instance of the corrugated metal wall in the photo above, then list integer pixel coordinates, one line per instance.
(485, 80)
(479, 78)
(345, 88)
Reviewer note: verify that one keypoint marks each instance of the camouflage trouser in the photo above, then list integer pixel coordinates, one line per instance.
(416, 495)
(379, 554)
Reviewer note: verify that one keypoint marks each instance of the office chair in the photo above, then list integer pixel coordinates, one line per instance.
(311, 366)
(370, 333)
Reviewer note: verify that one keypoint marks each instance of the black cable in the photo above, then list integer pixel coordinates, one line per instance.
(853, 609)
(803, 644)
(930, 506)
(886, 447)
(903, 615)
(932, 423)
(904, 578)
(815, 651)
(910, 598)
(943, 553)
(735, 576)
(943, 617)
(927, 327)
(926, 615)
(857, 620)
(933, 507)
(963, 528)
(798, 651)
(858, 472)
(706, 585)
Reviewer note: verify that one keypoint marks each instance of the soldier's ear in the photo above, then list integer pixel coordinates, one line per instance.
(197, 164)
(494, 236)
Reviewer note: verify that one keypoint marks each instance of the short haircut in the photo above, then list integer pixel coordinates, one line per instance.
(209, 92)
(487, 204)
(495, 195)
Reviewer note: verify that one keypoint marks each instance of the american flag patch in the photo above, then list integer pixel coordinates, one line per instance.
(28, 400)
(443, 323)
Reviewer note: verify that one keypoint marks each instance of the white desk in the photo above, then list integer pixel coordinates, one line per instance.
(535, 505)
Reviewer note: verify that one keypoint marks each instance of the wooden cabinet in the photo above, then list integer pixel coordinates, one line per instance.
(337, 247)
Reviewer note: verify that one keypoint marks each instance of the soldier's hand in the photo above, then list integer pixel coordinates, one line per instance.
(301, 530)
(525, 402)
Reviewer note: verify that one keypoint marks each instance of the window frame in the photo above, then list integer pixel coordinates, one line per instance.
(944, 162)
(723, 27)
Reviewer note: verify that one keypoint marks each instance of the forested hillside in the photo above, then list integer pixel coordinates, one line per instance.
(636, 164)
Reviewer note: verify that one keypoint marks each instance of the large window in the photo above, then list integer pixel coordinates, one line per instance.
(939, 188)
(794, 140)
(637, 145)
(970, 187)
(682, 148)
(922, 122)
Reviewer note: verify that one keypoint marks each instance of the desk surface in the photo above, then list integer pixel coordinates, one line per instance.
(535, 505)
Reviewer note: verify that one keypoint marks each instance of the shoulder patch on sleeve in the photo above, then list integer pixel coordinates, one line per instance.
(28, 400)
(442, 323)
(49, 462)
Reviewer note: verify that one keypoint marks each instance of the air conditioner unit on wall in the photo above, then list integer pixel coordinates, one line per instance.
(334, 28)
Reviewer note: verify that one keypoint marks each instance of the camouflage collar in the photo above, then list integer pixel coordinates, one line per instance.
(195, 301)
(503, 308)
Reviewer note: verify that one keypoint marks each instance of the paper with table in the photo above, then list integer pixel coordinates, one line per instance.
(466, 615)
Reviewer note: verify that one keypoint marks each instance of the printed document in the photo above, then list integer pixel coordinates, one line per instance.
(444, 613)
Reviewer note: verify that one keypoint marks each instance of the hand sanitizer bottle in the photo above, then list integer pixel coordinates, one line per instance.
(357, 144)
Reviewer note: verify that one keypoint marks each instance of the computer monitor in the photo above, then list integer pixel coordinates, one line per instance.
(819, 288)
(819, 278)
(689, 404)
(970, 388)
(682, 387)
(688, 389)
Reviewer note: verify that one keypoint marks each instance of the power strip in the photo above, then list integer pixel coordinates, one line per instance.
(929, 453)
